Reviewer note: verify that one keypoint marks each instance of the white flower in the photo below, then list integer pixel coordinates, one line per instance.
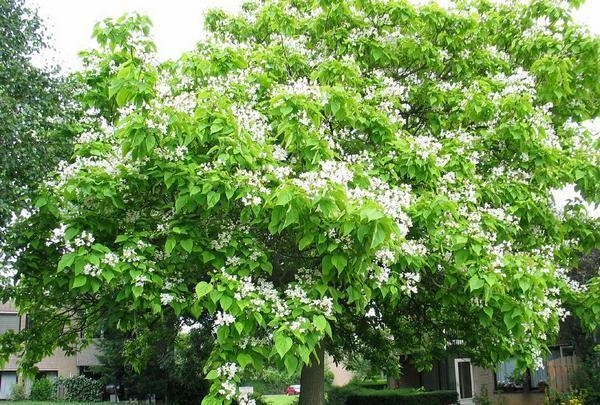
(279, 153)
(110, 259)
(91, 270)
(222, 318)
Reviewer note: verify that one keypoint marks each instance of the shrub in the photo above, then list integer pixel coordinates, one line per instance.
(17, 392)
(270, 380)
(339, 395)
(364, 396)
(373, 384)
(42, 389)
(81, 389)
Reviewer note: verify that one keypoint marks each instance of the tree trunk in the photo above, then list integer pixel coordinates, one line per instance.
(312, 380)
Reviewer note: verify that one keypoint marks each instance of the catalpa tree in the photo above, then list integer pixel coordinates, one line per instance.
(325, 176)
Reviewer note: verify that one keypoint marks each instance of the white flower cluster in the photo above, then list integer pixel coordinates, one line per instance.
(279, 153)
(333, 171)
(172, 155)
(306, 88)
(58, 235)
(110, 259)
(393, 200)
(252, 121)
(411, 280)
(424, 146)
(413, 248)
(91, 270)
(166, 298)
(85, 239)
(222, 318)
(141, 280)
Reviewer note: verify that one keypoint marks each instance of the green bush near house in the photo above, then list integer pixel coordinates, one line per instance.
(42, 389)
(356, 395)
(17, 392)
(398, 397)
(81, 389)
(373, 384)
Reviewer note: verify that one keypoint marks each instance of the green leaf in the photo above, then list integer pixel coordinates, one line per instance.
(203, 288)
(212, 374)
(226, 302)
(40, 202)
(79, 281)
(378, 236)
(509, 320)
(339, 261)
(187, 245)
(475, 283)
(170, 244)
(282, 344)
(291, 364)
(320, 322)
(212, 199)
(244, 359)
(306, 240)
(65, 261)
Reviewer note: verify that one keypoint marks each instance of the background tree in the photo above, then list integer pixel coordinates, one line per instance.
(33, 102)
(160, 361)
(325, 175)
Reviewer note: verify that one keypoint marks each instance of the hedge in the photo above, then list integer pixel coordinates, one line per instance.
(395, 397)
(353, 395)
(374, 385)
(81, 389)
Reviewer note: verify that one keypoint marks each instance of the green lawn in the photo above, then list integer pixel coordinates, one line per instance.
(280, 399)
(49, 403)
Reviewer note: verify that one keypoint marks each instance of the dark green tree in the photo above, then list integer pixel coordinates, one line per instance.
(33, 100)
(159, 360)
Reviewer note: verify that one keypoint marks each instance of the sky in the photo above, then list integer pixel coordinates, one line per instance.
(177, 28)
(177, 23)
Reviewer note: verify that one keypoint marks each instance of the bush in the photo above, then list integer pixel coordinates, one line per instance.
(17, 392)
(355, 395)
(373, 384)
(270, 380)
(339, 395)
(42, 389)
(81, 389)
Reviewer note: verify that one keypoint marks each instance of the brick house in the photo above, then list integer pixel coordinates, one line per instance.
(57, 365)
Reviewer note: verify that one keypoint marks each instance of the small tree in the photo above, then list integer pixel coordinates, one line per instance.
(325, 175)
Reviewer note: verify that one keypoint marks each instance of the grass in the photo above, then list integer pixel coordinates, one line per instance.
(49, 403)
(280, 399)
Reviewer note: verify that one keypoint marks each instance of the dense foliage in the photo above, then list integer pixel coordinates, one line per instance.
(80, 389)
(33, 109)
(356, 395)
(162, 362)
(42, 389)
(370, 177)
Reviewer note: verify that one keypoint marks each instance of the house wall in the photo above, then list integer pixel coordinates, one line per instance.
(341, 375)
(65, 366)
(483, 381)
(410, 376)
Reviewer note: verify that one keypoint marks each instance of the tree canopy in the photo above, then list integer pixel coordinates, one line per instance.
(33, 103)
(336, 175)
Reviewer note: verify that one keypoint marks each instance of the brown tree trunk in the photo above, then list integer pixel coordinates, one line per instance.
(312, 380)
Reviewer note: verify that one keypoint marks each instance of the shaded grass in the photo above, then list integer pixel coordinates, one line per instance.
(280, 399)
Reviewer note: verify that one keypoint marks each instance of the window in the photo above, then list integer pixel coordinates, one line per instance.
(507, 379)
(9, 322)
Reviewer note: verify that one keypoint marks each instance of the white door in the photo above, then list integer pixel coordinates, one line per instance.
(464, 380)
(7, 379)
